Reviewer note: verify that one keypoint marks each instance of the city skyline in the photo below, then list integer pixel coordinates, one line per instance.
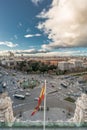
(44, 27)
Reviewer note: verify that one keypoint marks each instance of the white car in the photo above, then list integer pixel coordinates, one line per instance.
(36, 99)
(4, 84)
(59, 88)
(28, 94)
(21, 90)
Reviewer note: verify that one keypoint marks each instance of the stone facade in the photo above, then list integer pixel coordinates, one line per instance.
(80, 115)
(6, 112)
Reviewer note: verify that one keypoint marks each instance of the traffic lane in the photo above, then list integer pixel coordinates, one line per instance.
(11, 86)
(34, 93)
(23, 108)
(28, 103)
(51, 102)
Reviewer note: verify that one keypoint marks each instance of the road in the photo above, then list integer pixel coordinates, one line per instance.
(55, 99)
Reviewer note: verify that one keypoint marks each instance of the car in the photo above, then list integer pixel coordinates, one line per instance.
(21, 90)
(16, 92)
(6, 73)
(60, 88)
(28, 90)
(4, 84)
(63, 85)
(36, 99)
(13, 82)
(52, 86)
(28, 94)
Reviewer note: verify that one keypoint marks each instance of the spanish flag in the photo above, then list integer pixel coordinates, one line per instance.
(41, 98)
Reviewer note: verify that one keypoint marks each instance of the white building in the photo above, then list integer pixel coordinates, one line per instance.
(77, 63)
(8, 63)
(85, 65)
(5, 62)
(70, 65)
(64, 65)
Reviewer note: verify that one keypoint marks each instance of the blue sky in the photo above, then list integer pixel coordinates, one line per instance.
(40, 26)
(18, 18)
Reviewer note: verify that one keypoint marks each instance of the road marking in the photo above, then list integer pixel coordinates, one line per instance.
(19, 105)
(13, 90)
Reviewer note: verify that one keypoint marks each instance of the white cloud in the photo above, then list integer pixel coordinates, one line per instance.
(16, 37)
(28, 30)
(65, 24)
(20, 24)
(9, 44)
(36, 2)
(63, 52)
(30, 51)
(41, 52)
(37, 35)
(32, 35)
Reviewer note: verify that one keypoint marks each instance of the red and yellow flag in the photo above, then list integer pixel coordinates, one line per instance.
(41, 98)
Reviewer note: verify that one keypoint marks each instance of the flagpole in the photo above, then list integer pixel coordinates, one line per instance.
(44, 108)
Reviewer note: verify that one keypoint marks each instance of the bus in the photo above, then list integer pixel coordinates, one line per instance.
(19, 96)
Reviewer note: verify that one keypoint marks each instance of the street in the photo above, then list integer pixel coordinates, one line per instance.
(55, 93)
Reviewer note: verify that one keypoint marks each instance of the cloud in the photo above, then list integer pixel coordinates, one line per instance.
(32, 35)
(28, 30)
(9, 44)
(36, 2)
(30, 51)
(65, 23)
(20, 24)
(16, 37)
(60, 52)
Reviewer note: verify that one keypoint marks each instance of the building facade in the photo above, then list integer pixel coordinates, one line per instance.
(70, 65)
(63, 65)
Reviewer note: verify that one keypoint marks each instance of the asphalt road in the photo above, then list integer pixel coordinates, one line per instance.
(55, 99)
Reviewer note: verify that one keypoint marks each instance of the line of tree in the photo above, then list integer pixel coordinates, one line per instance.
(35, 66)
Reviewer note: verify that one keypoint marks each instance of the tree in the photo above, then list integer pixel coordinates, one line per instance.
(35, 66)
(43, 68)
(29, 69)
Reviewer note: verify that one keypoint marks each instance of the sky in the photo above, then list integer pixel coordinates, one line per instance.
(44, 27)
